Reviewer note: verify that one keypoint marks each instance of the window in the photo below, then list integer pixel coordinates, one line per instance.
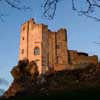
(36, 51)
(23, 28)
(22, 51)
(22, 38)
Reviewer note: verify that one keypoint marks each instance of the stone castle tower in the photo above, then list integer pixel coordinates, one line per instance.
(39, 44)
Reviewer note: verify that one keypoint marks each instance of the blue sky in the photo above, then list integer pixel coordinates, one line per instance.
(82, 32)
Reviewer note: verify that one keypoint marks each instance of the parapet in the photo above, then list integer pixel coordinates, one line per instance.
(81, 57)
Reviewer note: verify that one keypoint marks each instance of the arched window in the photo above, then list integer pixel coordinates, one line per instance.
(36, 51)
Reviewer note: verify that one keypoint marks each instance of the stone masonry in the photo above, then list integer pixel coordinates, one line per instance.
(49, 49)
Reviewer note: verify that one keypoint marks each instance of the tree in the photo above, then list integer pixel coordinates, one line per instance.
(17, 4)
(88, 8)
(49, 8)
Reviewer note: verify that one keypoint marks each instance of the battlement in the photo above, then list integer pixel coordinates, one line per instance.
(48, 48)
(81, 57)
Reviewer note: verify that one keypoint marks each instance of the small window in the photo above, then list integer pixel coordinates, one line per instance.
(22, 38)
(36, 51)
(22, 51)
(23, 28)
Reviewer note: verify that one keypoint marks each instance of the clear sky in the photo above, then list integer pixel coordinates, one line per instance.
(82, 32)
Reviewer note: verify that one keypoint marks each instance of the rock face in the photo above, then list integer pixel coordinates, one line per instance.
(24, 67)
(24, 74)
(28, 82)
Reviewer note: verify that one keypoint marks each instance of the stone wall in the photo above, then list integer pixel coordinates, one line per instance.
(23, 47)
(73, 58)
(58, 54)
(88, 59)
(80, 58)
(32, 34)
(45, 48)
(60, 67)
(53, 49)
(61, 47)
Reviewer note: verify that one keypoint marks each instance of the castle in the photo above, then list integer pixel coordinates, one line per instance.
(49, 49)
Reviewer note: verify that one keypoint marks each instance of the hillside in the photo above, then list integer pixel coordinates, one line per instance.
(69, 83)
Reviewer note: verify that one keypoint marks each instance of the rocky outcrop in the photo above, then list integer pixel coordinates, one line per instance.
(24, 74)
(28, 82)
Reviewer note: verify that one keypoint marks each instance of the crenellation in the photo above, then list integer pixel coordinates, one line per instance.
(49, 49)
(80, 58)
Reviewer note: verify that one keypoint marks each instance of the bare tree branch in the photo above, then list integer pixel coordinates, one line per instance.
(91, 5)
(17, 4)
(49, 7)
